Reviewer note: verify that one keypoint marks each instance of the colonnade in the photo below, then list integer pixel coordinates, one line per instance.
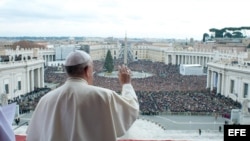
(20, 77)
(178, 59)
(189, 59)
(34, 78)
(48, 58)
(217, 78)
(229, 80)
(215, 81)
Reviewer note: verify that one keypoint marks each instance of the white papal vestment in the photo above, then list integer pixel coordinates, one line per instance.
(77, 111)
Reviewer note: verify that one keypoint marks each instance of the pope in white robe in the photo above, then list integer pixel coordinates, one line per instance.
(79, 111)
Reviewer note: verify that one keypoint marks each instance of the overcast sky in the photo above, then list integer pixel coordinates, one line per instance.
(105, 18)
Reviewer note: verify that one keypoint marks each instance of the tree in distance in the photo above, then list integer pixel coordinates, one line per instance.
(109, 63)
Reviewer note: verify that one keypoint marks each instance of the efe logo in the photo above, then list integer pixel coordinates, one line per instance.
(237, 132)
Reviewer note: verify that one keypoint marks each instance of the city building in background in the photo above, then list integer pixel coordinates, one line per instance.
(226, 65)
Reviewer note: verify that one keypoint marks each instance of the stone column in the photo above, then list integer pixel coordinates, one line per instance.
(38, 77)
(208, 78)
(179, 57)
(212, 81)
(174, 59)
(182, 59)
(32, 80)
(46, 60)
(222, 84)
(205, 61)
(202, 61)
(42, 77)
(219, 83)
(27, 80)
(189, 59)
(239, 88)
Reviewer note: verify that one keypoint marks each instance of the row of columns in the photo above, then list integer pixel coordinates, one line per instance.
(230, 83)
(35, 78)
(48, 58)
(187, 59)
(215, 80)
(22, 82)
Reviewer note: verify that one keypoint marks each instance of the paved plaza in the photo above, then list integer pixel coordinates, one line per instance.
(179, 122)
(135, 74)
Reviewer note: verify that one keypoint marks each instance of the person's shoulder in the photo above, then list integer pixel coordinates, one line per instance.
(101, 89)
(94, 93)
(49, 94)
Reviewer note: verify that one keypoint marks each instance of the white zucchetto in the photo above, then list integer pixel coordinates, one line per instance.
(77, 57)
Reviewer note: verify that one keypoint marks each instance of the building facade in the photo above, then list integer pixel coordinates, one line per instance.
(19, 77)
(231, 80)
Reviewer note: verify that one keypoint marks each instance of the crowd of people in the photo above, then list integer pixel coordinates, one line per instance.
(55, 75)
(205, 102)
(165, 78)
(27, 102)
(165, 91)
